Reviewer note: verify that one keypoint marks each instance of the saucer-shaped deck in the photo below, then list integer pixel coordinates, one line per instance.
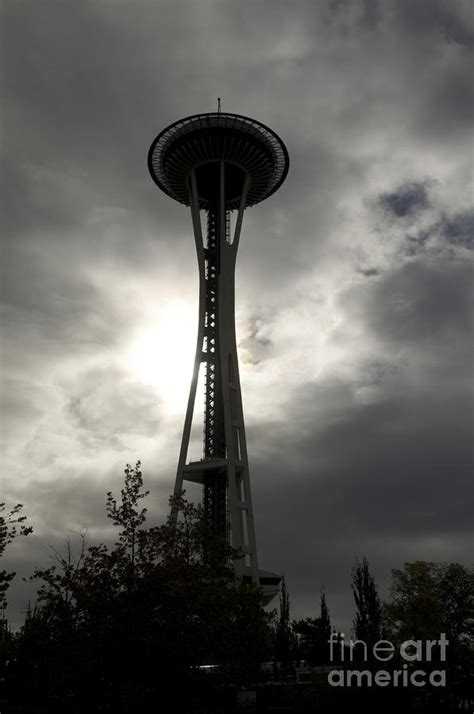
(201, 141)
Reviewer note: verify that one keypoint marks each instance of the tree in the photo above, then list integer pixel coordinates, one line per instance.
(313, 635)
(368, 617)
(283, 633)
(11, 526)
(325, 620)
(456, 594)
(144, 614)
(428, 598)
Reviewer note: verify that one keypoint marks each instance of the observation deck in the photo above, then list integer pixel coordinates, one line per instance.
(201, 140)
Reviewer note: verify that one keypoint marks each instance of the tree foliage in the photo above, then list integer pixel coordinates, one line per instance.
(368, 617)
(143, 614)
(428, 598)
(117, 626)
(283, 637)
(11, 526)
(313, 635)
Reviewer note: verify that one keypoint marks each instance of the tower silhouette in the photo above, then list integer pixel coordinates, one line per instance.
(220, 163)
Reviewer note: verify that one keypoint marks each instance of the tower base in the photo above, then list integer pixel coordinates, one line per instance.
(269, 582)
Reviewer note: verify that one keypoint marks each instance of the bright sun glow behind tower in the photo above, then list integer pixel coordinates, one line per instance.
(159, 354)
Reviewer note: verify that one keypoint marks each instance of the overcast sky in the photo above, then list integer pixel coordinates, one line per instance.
(354, 291)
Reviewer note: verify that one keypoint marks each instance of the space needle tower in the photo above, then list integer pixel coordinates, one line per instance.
(220, 164)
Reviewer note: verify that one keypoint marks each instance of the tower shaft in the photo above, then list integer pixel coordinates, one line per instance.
(223, 470)
(216, 492)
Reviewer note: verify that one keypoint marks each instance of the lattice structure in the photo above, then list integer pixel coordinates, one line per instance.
(215, 496)
(220, 163)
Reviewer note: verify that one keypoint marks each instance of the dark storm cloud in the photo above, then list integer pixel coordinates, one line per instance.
(452, 19)
(353, 286)
(399, 490)
(420, 305)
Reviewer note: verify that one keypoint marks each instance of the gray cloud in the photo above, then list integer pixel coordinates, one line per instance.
(453, 21)
(369, 272)
(459, 229)
(254, 347)
(405, 200)
(103, 403)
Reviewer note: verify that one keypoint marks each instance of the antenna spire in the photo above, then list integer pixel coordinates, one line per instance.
(218, 105)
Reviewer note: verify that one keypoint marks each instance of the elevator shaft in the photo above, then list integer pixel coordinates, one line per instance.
(215, 488)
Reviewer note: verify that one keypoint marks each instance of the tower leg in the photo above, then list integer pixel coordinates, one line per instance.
(183, 454)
